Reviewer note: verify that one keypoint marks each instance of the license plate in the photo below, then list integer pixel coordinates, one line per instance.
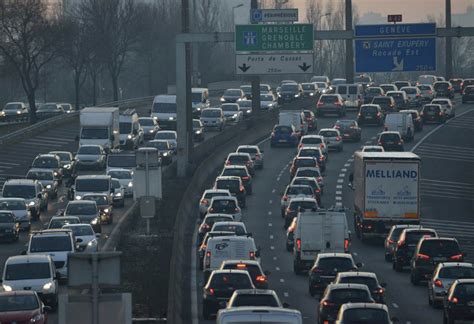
(439, 259)
(346, 135)
(368, 117)
(310, 253)
(282, 141)
(471, 303)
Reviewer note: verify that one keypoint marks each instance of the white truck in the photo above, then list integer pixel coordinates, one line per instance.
(317, 232)
(402, 123)
(100, 126)
(295, 118)
(387, 191)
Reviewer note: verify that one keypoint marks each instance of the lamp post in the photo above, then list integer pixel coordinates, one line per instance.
(233, 14)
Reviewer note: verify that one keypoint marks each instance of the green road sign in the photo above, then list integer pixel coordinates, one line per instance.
(277, 38)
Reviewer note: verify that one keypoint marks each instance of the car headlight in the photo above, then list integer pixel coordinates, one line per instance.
(129, 136)
(222, 99)
(95, 221)
(249, 111)
(198, 132)
(7, 288)
(91, 243)
(37, 318)
(151, 130)
(171, 118)
(31, 204)
(106, 210)
(48, 286)
(78, 197)
(311, 94)
(2, 113)
(164, 154)
(118, 194)
(18, 112)
(130, 184)
(198, 109)
(234, 115)
(48, 186)
(67, 166)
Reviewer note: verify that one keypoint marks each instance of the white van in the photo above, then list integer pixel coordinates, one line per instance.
(352, 94)
(402, 123)
(164, 111)
(258, 314)
(92, 184)
(427, 79)
(200, 100)
(295, 118)
(319, 232)
(223, 248)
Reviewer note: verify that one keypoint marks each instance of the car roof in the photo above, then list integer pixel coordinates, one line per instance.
(357, 274)
(328, 129)
(334, 254)
(238, 154)
(93, 176)
(253, 262)
(347, 286)
(466, 280)
(455, 264)
(438, 239)
(217, 191)
(12, 199)
(23, 182)
(90, 145)
(364, 305)
(52, 232)
(211, 215)
(230, 223)
(235, 178)
(167, 131)
(64, 218)
(243, 167)
(29, 258)
(228, 271)
(419, 228)
(41, 170)
(78, 202)
(18, 293)
(121, 169)
(224, 198)
(46, 155)
(255, 292)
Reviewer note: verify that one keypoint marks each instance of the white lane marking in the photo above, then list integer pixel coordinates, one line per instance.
(274, 190)
(270, 201)
(340, 180)
(282, 280)
(278, 179)
(286, 294)
(263, 141)
(339, 187)
(355, 253)
(435, 130)
(352, 155)
(338, 193)
(342, 175)
(277, 268)
(347, 165)
(269, 213)
(350, 160)
(343, 170)
(394, 305)
(272, 247)
(373, 138)
(274, 258)
(338, 198)
(271, 237)
(194, 292)
(270, 224)
(338, 204)
(10, 163)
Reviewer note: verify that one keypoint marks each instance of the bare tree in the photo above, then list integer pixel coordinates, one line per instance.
(30, 39)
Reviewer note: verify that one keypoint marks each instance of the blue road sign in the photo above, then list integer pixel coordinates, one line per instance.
(395, 54)
(395, 30)
(256, 15)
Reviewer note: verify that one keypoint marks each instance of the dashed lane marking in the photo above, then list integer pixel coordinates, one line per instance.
(274, 190)
(282, 280)
(339, 187)
(350, 160)
(278, 179)
(347, 165)
(340, 180)
(277, 268)
(270, 201)
(343, 170)
(269, 213)
(275, 258)
(338, 198)
(338, 193)
(394, 305)
(271, 237)
(270, 224)
(342, 175)
(285, 294)
(272, 247)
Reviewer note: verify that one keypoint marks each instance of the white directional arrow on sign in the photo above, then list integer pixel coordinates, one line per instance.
(398, 65)
(278, 63)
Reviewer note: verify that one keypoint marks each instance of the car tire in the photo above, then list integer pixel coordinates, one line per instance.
(414, 278)
(397, 266)
(206, 313)
(311, 292)
(388, 257)
(289, 248)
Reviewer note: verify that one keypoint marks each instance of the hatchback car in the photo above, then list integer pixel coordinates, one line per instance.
(21, 307)
(313, 173)
(314, 141)
(351, 313)
(416, 117)
(198, 130)
(314, 152)
(296, 205)
(406, 245)
(254, 298)
(235, 187)
(239, 171)
(427, 92)
(301, 162)
(90, 157)
(232, 113)
(313, 183)
(150, 127)
(443, 277)
(253, 267)
(125, 177)
(447, 105)
(209, 221)
(310, 120)
(207, 197)
(213, 118)
(370, 114)
(371, 93)
(268, 101)
(390, 141)
(332, 138)
(87, 212)
(468, 94)
(255, 153)
(284, 135)
(377, 289)
(164, 150)
(238, 228)
(9, 227)
(391, 240)
(295, 191)
(289, 92)
(414, 96)
(19, 209)
(170, 136)
(225, 205)
(48, 162)
(400, 97)
(349, 129)
(104, 205)
(232, 95)
(243, 159)
(386, 103)
(330, 104)
(433, 114)
(429, 252)
(47, 178)
(444, 89)
(86, 238)
(459, 304)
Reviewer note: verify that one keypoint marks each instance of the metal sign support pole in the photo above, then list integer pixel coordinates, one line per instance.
(147, 184)
(349, 45)
(95, 289)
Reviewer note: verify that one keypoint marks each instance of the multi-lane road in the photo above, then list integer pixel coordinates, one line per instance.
(447, 201)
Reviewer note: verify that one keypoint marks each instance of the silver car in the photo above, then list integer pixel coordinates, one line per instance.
(207, 196)
(447, 106)
(414, 96)
(150, 127)
(47, 178)
(90, 156)
(294, 191)
(170, 136)
(443, 277)
(427, 92)
(213, 118)
(255, 153)
(313, 173)
(333, 138)
(125, 178)
(268, 101)
(85, 236)
(232, 113)
(18, 207)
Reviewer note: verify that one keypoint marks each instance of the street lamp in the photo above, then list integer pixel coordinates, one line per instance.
(320, 17)
(233, 13)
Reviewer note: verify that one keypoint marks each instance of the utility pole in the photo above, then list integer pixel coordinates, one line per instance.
(349, 45)
(449, 44)
(255, 79)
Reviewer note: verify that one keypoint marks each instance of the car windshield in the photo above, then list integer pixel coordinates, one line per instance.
(409, 90)
(239, 230)
(308, 86)
(63, 156)
(283, 129)
(365, 316)
(165, 135)
(232, 185)
(328, 133)
(159, 145)
(342, 296)
(83, 230)
(92, 185)
(197, 123)
(395, 95)
(146, 122)
(211, 113)
(232, 93)
(196, 97)
(81, 209)
(465, 291)
(48, 107)
(29, 270)
(305, 162)
(308, 173)
(234, 172)
(368, 281)
(12, 205)
(321, 85)
(390, 137)
(45, 163)
(299, 190)
(245, 104)
(59, 222)
(94, 133)
(309, 152)
(369, 109)
(164, 107)
(469, 90)
(125, 128)
(341, 264)
(6, 218)
(413, 237)
(266, 98)
(40, 175)
(19, 191)
(309, 205)
(50, 243)
(115, 183)
(229, 107)
(121, 161)
(99, 200)
(289, 87)
(246, 89)
(255, 300)
(120, 174)
(233, 280)
(440, 248)
(66, 107)
(18, 303)
(12, 106)
(89, 150)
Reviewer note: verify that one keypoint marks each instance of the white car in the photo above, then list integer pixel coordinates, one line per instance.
(207, 196)
(32, 272)
(255, 153)
(372, 148)
(170, 136)
(237, 227)
(311, 172)
(332, 138)
(268, 101)
(86, 238)
(213, 118)
(125, 178)
(427, 91)
(447, 106)
(294, 191)
(413, 95)
(232, 113)
(18, 207)
(314, 141)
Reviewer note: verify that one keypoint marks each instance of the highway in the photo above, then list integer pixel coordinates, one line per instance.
(447, 197)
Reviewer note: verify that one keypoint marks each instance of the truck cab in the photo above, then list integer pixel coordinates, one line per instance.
(164, 111)
(131, 133)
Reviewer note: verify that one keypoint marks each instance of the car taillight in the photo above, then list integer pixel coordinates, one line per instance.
(317, 191)
(321, 145)
(208, 259)
(319, 179)
(346, 245)
(298, 244)
(257, 156)
(379, 114)
(338, 138)
(430, 92)
(211, 210)
(252, 255)
(418, 95)
(449, 88)
(440, 113)
(273, 134)
(210, 291)
(242, 189)
(438, 283)
(456, 257)
(205, 226)
(454, 300)
(320, 104)
(400, 243)
(379, 143)
(205, 202)
(237, 210)
(337, 103)
(261, 279)
(300, 146)
(389, 241)
(327, 303)
(288, 210)
(227, 162)
(321, 158)
(285, 198)
(245, 178)
(422, 256)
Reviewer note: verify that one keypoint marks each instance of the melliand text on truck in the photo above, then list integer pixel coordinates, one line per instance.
(386, 188)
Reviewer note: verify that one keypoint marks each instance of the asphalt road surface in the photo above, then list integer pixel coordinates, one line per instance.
(447, 195)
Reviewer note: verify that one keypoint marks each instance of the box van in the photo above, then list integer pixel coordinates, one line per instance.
(352, 94)
(427, 79)
(228, 248)
(294, 118)
(92, 184)
(164, 111)
(131, 133)
(200, 100)
(402, 123)
(258, 314)
(318, 232)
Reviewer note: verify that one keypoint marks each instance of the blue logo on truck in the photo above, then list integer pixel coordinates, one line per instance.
(392, 174)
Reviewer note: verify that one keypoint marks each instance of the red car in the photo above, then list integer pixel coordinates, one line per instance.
(22, 307)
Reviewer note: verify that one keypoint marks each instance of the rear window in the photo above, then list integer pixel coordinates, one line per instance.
(255, 300)
(228, 184)
(368, 281)
(456, 272)
(440, 247)
(250, 150)
(396, 233)
(300, 190)
(328, 133)
(384, 100)
(465, 291)
(413, 237)
(348, 295)
(211, 113)
(209, 195)
(341, 264)
(374, 90)
(431, 109)
(469, 90)
(409, 90)
(308, 173)
(283, 129)
(341, 89)
(315, 153)
(369, 109)
(390, 137)
(239, 230)
(366, 316)
(252, 269)
(311, 140)
(224, 203)
(441, 85)
(328, 99)
(234, 280)
(305, 162)
(238, 158)
(424, 87)
(294, 205)
(234, 172)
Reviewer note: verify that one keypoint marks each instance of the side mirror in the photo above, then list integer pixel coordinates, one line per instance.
(47, 309)
(23, 253)
(359, 264)
(267, 273)
(286, 305)
(383, 284)
(79, 240)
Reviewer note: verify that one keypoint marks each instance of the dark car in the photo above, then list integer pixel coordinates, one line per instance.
(198, 131)
(239, 171)
(232, 95)
(371, 93)
(444, 89)
(289, 92)
(416, 117)
(392, 238)
(284, 135)
(459, 305)
(400, 97)
(208, 221)
(164, 150)
(299, 162)
(466, 83)
(386, 103)
(21, 307)
(243, 159)
(235, 187)
(104, 205)
(349, 129)
(429, 252)
(310, 120)
(390, 141)
(338, 294)
(315, 152)
(326, 267)
(457, 84)
(433, 114)
(370, 114)
(468, 94)
(369, 279)
(258, 276)
(219, 288)
(406, 245)
(401, 84)
(9, 226)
